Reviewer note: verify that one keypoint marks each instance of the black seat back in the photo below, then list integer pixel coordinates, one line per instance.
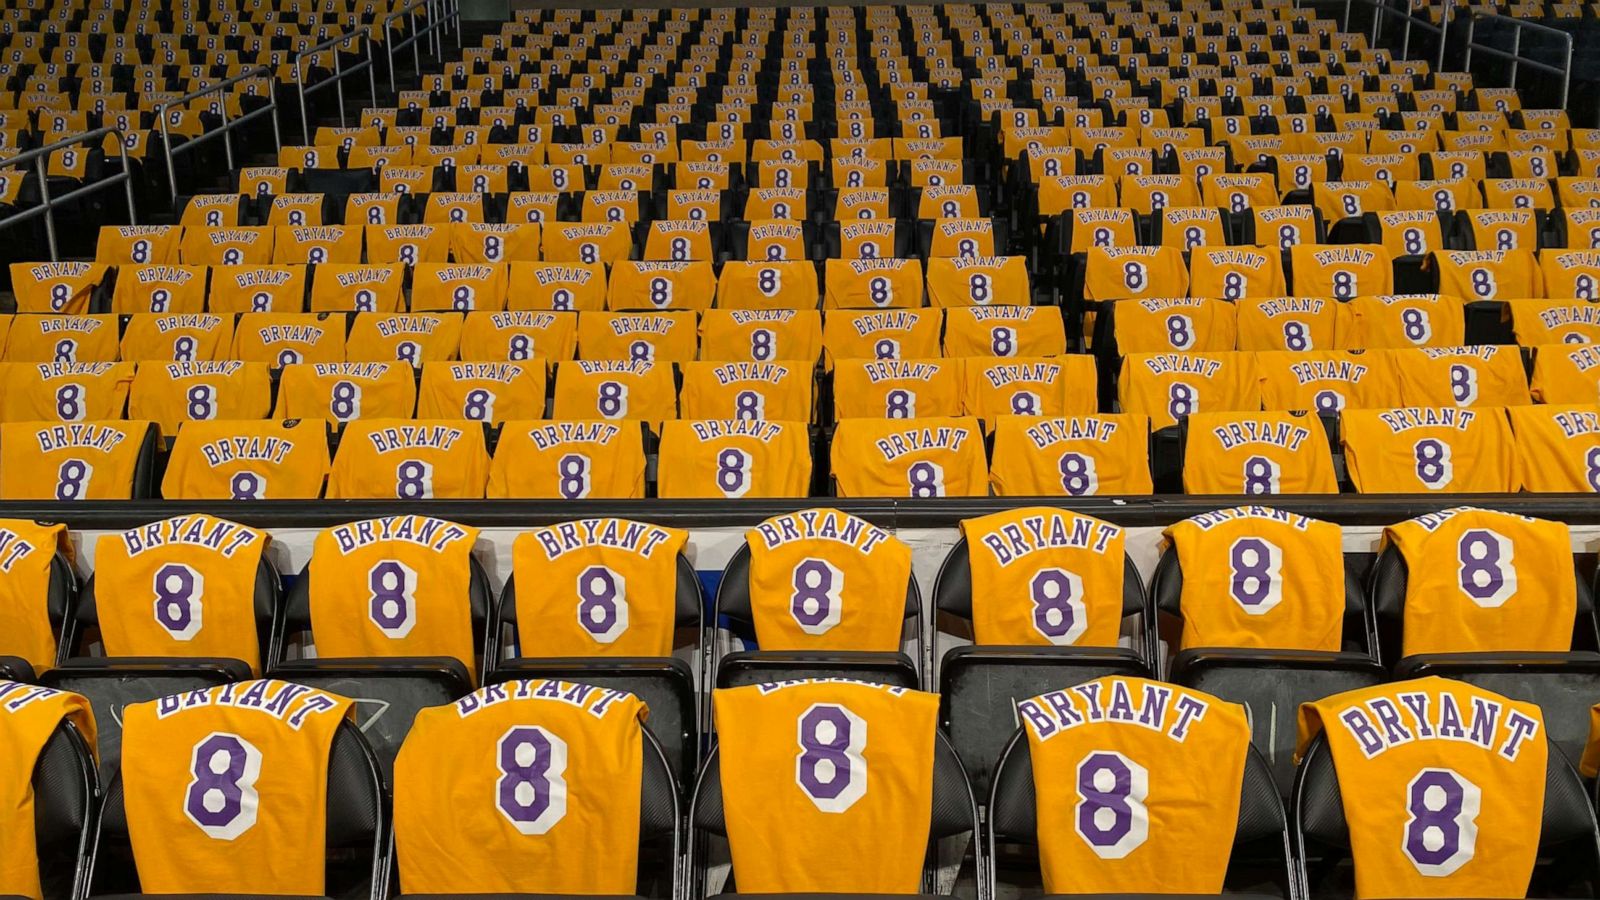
(1387, 588)
(1260, 841)
(357, 827)
(1569, 844)
(64, 787)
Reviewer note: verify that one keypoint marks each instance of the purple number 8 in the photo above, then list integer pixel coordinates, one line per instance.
(393, 586)
(178, 589)
(221, 798)
(1486, 573)
(602, 603)
(815, 605)
(1058, 610)
(1111, 816)
(1442, 829)
(531, 792)
(830, 767)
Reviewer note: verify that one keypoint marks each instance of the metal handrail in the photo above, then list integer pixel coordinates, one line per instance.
(360, 32)
(225, 132)
(1565, 70)
(1382, 10)
(436, 21)
(39, 156)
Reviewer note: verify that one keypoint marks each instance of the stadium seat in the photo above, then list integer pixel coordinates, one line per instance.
(883, 665)
(62, 784)
(357, 830)
(665, 683)
(975, 710)
(1260, 858)
(1567, 839)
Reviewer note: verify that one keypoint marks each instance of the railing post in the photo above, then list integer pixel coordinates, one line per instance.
(1566, 76)
(1472, 28)
(166, 150)
(1346, 27)
(1444, 33)
(338, 84)
(1516, 53)
(1405, 42)
(49, 211)
(300, 85)
(388, 48)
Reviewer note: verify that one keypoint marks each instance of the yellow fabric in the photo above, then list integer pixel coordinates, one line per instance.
(821, 579)
(170, 393)
(82, 339)
(760, 335)
(680, 240)
(1504, 229)
(857, 825)
(1397, 748)
(240, 460)
(1417, 450)
(589, 242)
(875, 283)
(239, 289)
(61, 287)
(407, 244)
(138, 245)
(65, 392)
(566, 286)
(1258, 453)
(1411, 232)
(188, 337)
(1484, 580)
(979, 281)
(572, 459)
(240, 246)
(481, 392)
(29, 716)
(1566, 375)
(1589, 766)
(438, 287)
(1299, 324)
(660, 286)
(354, 288)
(1234, 273)
(491, 244)
(374, 581)
(930, 456)
(403, 337)
(1180, 754)
(518, 335)
(1570, 321)
(198, 574)
(282, 339)
(597, 587)
(1045, 577)
(1077, 456)
(1342, 272)
(343, 392)
(462, 822)
(1004, 331)
(779, 391)
(1558, 447)
(1327, 381)
(405, 459)
(897, 389)
(1164, 386)
(26, 551)
(734, 458)
(1409, 320)
(1254, 576)
(615, 389)
(92, 460)
(971, 238)
(1183, 324)
(1488, 274)
(776, 284)
(334, 245)
(661, 337)
(276, 736)
(889, 334)
(1121, 273)
(1054, 386)
(159, 288)
(1478, 376)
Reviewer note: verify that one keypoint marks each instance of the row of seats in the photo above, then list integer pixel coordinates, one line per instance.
(580, 798)
(1546, 449)
(1453, 591)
